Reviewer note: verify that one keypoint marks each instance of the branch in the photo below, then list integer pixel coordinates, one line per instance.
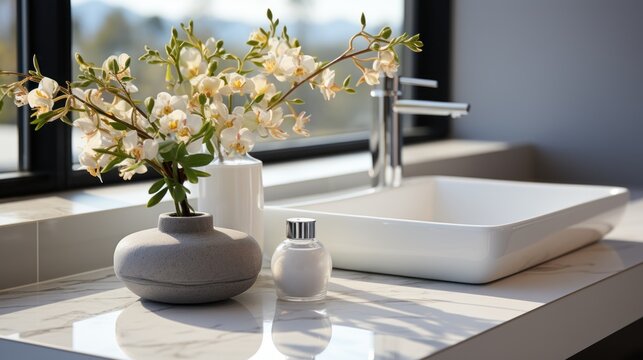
(342, 57)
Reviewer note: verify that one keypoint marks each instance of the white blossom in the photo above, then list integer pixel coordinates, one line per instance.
(165, 104)
(191, 62)
(266, 122)
(300, 122)
(129, 167)
(208, 85)
(327, 86)
(236, 140)
(237, 84)
(87, 124)
(263, 86)
(123, 70)
(42, 98)
(371, 77)
(386, 63)
(20, 96)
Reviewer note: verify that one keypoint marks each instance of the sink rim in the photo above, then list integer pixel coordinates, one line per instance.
(325, 198)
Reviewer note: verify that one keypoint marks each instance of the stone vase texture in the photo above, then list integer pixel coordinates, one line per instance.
(187, 261)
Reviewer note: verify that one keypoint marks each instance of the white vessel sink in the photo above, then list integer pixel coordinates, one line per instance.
(455, 229)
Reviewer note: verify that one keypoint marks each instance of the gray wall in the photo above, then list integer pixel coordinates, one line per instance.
(564, 75)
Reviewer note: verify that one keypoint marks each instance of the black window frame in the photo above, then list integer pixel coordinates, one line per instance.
(44, 28)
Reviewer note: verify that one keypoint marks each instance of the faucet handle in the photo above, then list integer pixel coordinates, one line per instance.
(418, 82)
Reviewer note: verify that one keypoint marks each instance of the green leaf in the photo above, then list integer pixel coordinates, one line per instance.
(386, 32)
(196, 160)
(113, 66)
(118, 126)
(252, 42)
(212, 67)
(192, 177)
(178, 193)
(79, 59)
(111, 164)
(167, 146)
(346, 81)
(200, 173)
(202, 99)
(269, 15)
(258, 98)
(149, 104)
(113, 153)
(156, 186)
(297, 101)
(363, 20)
(350, 91)
(181, 151)
(168, 73)
(1, 103)
(35, 64)
(210, 147)
(156, 198)
(46, 116)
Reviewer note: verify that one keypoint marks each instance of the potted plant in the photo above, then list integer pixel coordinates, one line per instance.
(215, 104)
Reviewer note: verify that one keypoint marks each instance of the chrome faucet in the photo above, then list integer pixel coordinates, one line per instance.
(386, 134)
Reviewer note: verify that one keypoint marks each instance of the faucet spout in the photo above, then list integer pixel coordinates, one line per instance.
(423, 107)
(386, 133)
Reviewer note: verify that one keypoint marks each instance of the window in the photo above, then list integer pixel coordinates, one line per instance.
(107, 27)
(55, 29)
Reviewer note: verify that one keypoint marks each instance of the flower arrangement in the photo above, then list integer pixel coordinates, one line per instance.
(205, 112)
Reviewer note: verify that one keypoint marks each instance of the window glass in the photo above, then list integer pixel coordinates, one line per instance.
(8, 114)
(106, 27)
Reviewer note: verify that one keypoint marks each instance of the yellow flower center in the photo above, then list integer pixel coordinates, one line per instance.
(240, 148)
(167, 109)
(173, 124)
(184, 132)
(300, 71)
(137, 152)
(238, 84)
(42, 94)
(270, 65)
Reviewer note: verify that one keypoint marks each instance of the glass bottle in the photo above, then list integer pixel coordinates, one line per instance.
(301, 265)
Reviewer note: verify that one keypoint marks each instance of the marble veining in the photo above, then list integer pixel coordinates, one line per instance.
(364, 314)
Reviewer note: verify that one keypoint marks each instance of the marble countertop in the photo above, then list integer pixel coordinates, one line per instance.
(566, 304)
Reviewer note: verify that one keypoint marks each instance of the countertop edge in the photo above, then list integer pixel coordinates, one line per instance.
(585, 323)
(25, 350)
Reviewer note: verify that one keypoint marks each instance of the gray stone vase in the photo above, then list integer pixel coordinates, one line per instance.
(187, 261)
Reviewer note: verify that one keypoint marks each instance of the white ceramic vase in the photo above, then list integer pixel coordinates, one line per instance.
(233, 194)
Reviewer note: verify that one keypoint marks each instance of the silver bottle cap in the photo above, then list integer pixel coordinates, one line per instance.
(300, 228)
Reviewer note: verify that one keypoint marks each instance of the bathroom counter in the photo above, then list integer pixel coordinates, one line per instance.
(553, 310)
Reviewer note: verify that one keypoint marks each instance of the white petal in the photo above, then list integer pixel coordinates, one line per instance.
(130, 140)
(150, 149)
(86, 125)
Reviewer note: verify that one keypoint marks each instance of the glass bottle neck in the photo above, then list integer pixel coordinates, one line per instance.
(301, 242)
